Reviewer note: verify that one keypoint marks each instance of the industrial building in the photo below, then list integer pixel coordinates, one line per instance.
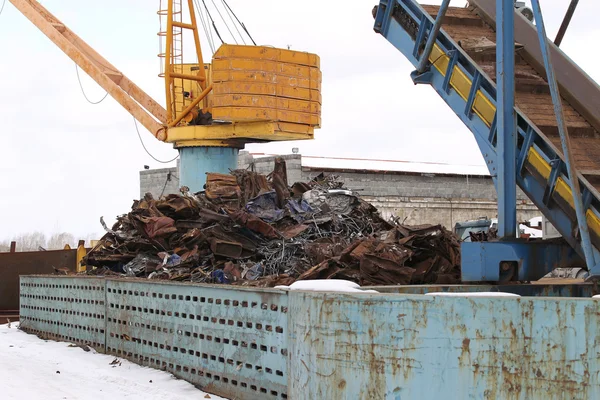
(416, 193)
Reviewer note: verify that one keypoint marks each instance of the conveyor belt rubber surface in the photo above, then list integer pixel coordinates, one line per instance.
(532, 94)
(463, 70)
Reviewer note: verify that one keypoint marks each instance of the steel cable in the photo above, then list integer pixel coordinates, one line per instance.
(144, 146)
(83, 91)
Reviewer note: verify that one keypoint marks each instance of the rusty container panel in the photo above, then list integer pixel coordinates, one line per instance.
(425, 347)
(13, 265)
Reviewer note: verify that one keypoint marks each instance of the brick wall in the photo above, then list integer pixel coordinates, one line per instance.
(414, 197)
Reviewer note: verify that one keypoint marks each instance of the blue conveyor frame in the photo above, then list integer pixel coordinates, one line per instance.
(541, 171)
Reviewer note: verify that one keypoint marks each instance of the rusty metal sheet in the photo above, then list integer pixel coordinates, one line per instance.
(376, 346)
(225, 248)
(12, 265)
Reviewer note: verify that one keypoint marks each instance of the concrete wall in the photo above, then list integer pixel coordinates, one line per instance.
(413, 197)
(155, 180)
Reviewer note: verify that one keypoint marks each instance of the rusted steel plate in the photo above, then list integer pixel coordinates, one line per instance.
(12, 265)
(425, 347)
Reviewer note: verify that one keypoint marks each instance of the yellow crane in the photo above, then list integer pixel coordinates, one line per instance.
(246, 94)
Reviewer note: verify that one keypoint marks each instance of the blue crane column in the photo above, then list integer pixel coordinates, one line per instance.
(505, 118)
(195, 162)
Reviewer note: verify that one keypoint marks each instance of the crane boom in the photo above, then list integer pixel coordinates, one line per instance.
(137, 102)
(247, 94)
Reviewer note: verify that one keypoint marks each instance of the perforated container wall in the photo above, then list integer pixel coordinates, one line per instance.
(64, 308)
(230, 341)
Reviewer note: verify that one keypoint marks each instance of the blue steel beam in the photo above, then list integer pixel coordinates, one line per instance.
(586, 243)
(505, 120)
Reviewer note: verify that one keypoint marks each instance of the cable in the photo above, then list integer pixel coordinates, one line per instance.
(2, 9)
(83, 91)
(165, 186)
(212, 38)
(233, 22)
(144, 146)
(241, 23)
(225, 22)
(213, 22)
(205, 27)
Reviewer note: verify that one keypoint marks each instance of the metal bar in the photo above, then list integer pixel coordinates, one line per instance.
(450, 70)
(472, 93)
(190, 77)
(383, 16)
(169, 61)
(506, 122)
(493, 130)
(527, 142)
(44, 21)
(183, 25)
(586, 243)
(551, 184)
(191, 106)
(565, 24)
(432, 36)
(201, 73)
(421, 35)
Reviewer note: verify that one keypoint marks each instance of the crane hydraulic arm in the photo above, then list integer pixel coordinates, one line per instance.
(137, 102)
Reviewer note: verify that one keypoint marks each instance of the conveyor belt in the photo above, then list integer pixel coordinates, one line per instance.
(532, 94)
(462, 72)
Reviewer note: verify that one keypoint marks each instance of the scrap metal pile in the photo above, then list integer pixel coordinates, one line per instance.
(250, 229)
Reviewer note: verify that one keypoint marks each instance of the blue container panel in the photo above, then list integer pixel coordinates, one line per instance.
(423, 347)
(229, 341)
(63, 308)
(537, 289)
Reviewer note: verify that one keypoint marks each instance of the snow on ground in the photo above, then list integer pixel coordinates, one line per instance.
(32, 368)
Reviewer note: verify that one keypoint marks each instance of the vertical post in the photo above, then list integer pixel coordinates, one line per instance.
(586, 243)
(432, 36)
(81, 252)
(169, 61)
(13, 247)
(505, 119)
(201, 71)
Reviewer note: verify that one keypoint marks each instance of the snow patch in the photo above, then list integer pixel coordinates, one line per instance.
(33, 368)
(326, 285)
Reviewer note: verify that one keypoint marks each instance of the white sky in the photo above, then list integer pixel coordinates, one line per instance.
(64, 163)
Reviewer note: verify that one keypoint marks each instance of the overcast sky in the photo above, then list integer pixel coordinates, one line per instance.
(64, 162)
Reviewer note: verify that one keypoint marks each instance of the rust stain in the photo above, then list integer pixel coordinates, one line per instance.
(465, 344)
